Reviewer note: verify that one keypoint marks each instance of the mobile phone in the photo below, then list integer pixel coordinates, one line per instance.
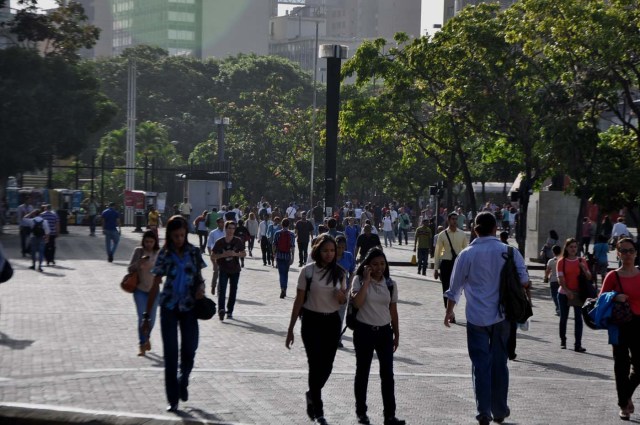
(145, 257)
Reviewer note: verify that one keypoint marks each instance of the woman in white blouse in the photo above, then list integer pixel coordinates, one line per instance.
(321, 290)
(375, 296)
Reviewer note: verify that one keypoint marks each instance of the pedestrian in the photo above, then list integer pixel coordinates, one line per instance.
(332, 224)
(619, 230)
(422, 243)
(24, 222)
(449, 244)
(606, 227)
(215, 234)
(227, 252)
(265, 245)
(347, 261)
(92, 209)
(626, 350)
(318, 299)
(200, 224)
(153, 219)
(366, 241)
(291, 212)
(304, 233)
(284, 251)
(377, 329)
(387, 229)
(111, 229)
(351, 231)
(242, 233)
(545, 252)
(585, 235)
(601, 253)
(185, 209)
(404, 225)
(182, 265)
(477, 272)
(39, 236)
(54, 230)
(252, 225)
(551, 275)
(271, 231)
(318, 217)
(142, 261)
(568, 270)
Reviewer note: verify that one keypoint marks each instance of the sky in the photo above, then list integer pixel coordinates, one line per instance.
(432, 11)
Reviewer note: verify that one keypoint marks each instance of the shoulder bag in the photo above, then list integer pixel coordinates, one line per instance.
(620, 311)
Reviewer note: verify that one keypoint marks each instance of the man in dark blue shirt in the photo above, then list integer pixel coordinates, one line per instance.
(111, 229)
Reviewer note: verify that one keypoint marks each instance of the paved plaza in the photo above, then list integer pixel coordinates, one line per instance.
(68, 351)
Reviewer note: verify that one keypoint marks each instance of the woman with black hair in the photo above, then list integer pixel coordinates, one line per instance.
(321, 291)
(376, 297)
(181, 263)
(142, 261)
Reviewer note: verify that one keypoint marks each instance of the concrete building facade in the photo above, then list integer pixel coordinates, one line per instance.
(453, 7)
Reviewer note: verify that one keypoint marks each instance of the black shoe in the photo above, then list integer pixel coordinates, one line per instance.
(172, 407)
(283, 293)
(563, 345)
(184, 394)
(394, 421)
(310, 412)
(424, 272)
(53, 262)
(512, 356)
(580, 349)
(33, 267)
(321, 420)
(363, 419)
(110, 259)
(40, 269)
(484, 421)
(229, 315)
(221, 315)
(500, 419)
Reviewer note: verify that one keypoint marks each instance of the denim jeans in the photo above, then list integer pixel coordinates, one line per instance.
(232, 279)
(92, 224)
(406, 236)
(111, 239)
(388, 236)
(140, 299)
(553, 287)
(423, 259)
(37, 247)
(563, 301)
(366, 340)
(320, 333)
(488, 352)
(170, 320)
(283, 272)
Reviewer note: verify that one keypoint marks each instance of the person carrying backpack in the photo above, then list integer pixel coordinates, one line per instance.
(39, 234)
(284, 244)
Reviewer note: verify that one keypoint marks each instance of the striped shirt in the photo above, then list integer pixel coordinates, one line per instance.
(52, 219)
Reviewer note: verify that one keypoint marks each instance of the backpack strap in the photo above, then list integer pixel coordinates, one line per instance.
(453, 251)
(308, 274)
(619, 282)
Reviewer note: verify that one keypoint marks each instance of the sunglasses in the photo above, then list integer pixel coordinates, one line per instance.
(627, 251)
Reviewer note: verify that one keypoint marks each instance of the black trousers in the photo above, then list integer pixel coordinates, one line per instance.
(626, 357)
(511, 343)
(267, 254)
(252, 240)
(366, 340)
(320, 334)
(446, 268)
(50, 249)
(303, 251)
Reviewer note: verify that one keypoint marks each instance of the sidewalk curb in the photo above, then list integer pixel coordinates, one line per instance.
(31, 414)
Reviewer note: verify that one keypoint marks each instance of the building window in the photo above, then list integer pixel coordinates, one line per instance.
(174, 51)
(181, 35)
(183, 1)
(181, 16)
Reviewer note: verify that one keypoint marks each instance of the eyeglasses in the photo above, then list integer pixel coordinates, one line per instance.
(626, 251)
(231, 228)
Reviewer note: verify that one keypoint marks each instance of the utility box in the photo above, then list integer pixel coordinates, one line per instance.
(204, 195)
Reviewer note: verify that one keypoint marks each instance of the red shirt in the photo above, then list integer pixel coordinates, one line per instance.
(570, 269)
(630, 286)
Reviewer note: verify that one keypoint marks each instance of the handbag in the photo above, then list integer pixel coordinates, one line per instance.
(129, 282)
(414, 260)
(585, 286)
(620, 311)
(205, 308)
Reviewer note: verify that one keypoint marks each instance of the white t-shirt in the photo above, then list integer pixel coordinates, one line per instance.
(320, 298)
(375, 310)
(387, 224)
(394, 215)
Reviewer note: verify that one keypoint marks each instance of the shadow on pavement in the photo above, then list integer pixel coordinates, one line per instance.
(255, 328)
(413, 303)
(195, 413)
(156, 360)
(14, 344)
(570, 370)
(247, 302)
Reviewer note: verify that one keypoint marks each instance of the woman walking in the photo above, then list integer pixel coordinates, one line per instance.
(376, 297)
(387, 228)
(321, 291)
(626, 353)
(252, 226)
(181, 263)
(568, 270)
(200, 223)
(142, 261)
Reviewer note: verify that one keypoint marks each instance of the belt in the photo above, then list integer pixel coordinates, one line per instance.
(316, 313)
(374, 328)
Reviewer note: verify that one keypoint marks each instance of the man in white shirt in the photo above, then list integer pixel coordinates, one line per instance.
(619, 229)
(215, 234)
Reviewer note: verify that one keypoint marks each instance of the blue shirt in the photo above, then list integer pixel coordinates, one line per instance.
(280, 255)
(51, 218)
(601, 251)
(179, 286)
(110, 219)
(477, 272)
(348, 263)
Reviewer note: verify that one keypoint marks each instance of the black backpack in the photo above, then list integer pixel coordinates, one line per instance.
(352, 310)
(38, 228)
(513, 298)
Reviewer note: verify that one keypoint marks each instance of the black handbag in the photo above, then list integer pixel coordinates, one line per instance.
(586, 289)
(7, 271)
(205, 308)
(620, 311)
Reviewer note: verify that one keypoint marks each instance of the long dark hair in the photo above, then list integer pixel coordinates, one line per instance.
(150, 234)
(335, 272)
(174, 223)
(374, 252)
(568, 242)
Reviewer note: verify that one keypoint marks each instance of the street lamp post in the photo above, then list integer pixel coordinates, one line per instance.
(220, 123)
(334, 54)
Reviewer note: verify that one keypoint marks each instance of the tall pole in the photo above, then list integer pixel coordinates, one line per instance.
(131, 139)
(334, 54)
(313, 116)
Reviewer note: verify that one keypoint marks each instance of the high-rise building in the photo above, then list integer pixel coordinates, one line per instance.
(453, 7)
(346, 22)
(200, 28)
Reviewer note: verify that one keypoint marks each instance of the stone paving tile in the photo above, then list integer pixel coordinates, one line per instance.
(68, 339)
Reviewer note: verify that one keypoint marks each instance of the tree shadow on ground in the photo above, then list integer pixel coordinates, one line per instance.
(568, 369)
(254, 327)
(15, 344)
